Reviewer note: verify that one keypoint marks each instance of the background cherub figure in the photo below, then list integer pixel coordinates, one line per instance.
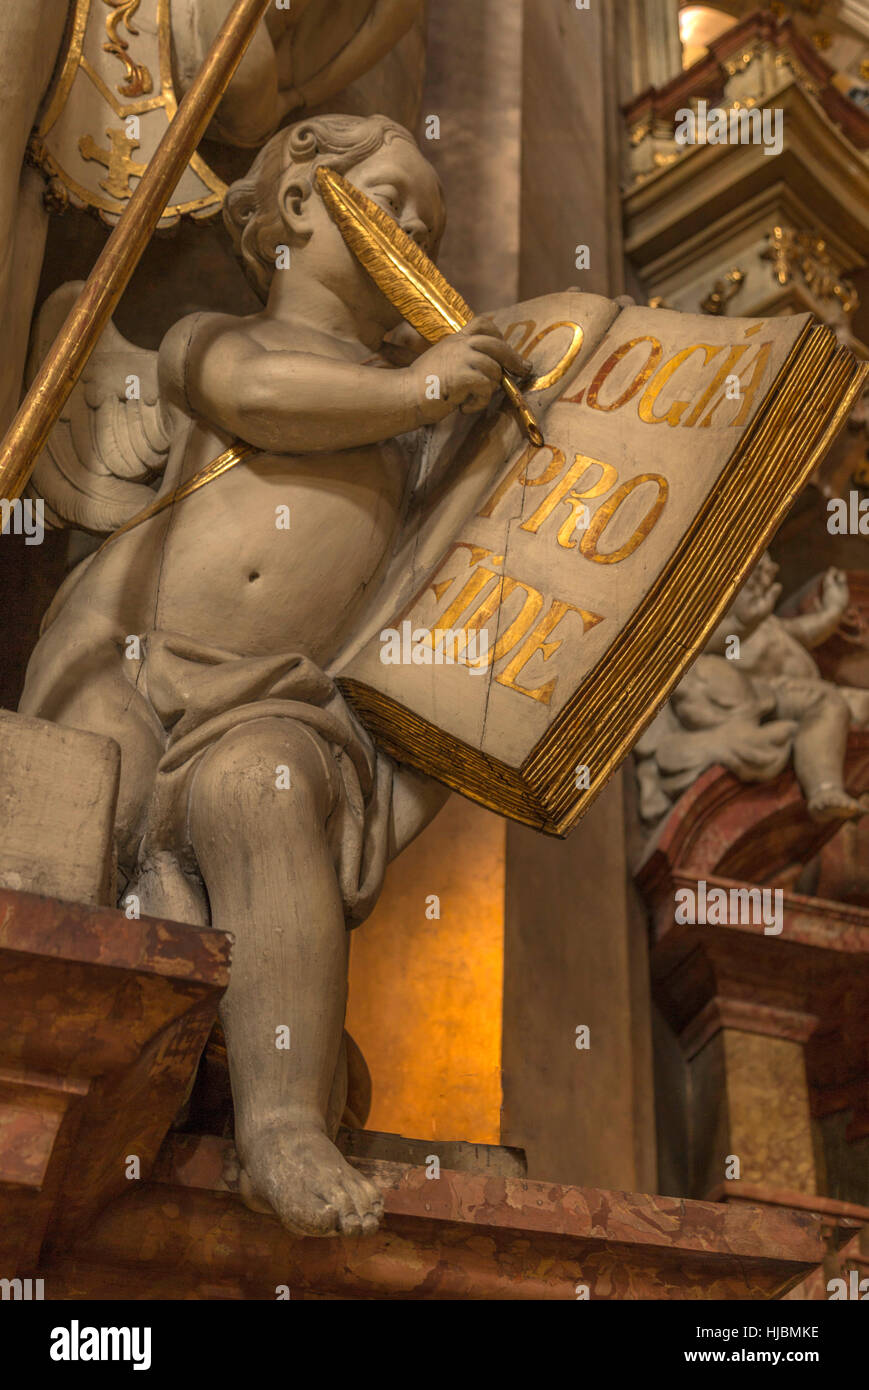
(721, 711)
(205, 637)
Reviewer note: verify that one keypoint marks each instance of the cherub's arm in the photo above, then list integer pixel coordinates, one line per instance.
(811, 629)
(297, 402)
(386, 22)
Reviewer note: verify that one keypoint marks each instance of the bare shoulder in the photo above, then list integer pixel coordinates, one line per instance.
(191, 337)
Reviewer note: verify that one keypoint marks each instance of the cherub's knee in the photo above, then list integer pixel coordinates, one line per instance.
(268, 760)
(828, 705)
(810, 702)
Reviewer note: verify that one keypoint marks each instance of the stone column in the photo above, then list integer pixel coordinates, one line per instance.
(474, 87)
(655, 48)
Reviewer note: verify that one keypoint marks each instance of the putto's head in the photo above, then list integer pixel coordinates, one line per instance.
(277, 203)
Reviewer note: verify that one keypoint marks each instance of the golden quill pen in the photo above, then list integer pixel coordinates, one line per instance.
(405, 274)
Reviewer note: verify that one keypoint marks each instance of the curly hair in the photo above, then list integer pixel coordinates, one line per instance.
(250, 209)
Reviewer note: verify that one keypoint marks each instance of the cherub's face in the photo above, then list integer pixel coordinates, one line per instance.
(760, 593)
(405, 185)
(763, 576)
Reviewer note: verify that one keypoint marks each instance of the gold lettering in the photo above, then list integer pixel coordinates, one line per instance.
(483, 615)
(487, 605)
(752, 386)
(607, 478)
(470, 590)
(659, 381)
(527, 327)
(748, 390)
(589, 543)
(515, 474)
(536, 642)
(656, 352)
(564, 362)
(717, 381)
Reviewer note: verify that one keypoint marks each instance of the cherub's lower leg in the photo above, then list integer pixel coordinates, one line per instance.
(819, 756)
(262, 850)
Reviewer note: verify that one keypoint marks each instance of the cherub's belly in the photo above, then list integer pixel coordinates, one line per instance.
(281, 555)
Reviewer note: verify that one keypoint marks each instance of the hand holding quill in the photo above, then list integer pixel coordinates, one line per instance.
(405, 274)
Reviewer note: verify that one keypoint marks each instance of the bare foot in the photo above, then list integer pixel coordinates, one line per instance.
(299, 1174)
(829, 802)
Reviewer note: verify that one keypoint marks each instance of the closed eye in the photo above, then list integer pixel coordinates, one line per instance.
(391, 198)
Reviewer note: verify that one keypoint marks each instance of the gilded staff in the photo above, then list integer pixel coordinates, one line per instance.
(107, 281)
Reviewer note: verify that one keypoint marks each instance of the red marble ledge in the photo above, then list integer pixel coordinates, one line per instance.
(847, 1216)
(854, 1255)
(102, 1020)
(810, 977)
(846, 1226)
(755, 832)
(187, 1234)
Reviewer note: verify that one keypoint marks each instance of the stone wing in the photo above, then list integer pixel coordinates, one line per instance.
(111, 441)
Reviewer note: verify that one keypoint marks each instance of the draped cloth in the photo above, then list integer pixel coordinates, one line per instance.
(199, 693)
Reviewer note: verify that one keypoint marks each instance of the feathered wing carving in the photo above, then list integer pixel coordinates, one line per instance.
(111, 441)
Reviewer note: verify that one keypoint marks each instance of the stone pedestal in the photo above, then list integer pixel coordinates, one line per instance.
(102, 1020)
(87, 1090)
(774, 1026)
(186, 1234)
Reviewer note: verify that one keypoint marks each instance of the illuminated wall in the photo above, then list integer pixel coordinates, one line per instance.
(426, 992)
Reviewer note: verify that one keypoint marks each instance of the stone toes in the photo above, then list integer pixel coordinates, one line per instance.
(315, 1217)
(349, 1219)
(373, 1199)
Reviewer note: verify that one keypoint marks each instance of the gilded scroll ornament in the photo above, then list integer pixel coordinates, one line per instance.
(139, 81)
(723, 291)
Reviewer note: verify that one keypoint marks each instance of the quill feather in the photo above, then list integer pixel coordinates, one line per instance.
(404, 273)
(401, 269)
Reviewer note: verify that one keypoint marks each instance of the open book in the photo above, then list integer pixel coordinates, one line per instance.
(552, 597)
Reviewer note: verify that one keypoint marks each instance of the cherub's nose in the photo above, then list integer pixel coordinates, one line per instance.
(417, 231)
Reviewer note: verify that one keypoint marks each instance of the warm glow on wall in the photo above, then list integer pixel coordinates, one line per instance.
(698, 26)
(426, 994)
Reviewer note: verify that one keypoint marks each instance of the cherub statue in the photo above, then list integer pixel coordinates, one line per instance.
(301, 56)
(720, 712)
(203, 634)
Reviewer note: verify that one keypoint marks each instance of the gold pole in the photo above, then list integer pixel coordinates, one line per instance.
(107, 281)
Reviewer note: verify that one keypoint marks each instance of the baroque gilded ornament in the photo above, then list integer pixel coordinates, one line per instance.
(139, 81)
(92, 125)
(807, 254)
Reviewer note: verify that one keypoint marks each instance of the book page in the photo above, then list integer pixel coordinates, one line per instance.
(551, 563)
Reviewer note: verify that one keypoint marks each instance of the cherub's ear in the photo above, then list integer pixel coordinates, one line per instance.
(294, 200)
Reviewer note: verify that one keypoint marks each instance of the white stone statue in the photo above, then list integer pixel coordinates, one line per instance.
(720, 712)
(203, 638)
(300, 57)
